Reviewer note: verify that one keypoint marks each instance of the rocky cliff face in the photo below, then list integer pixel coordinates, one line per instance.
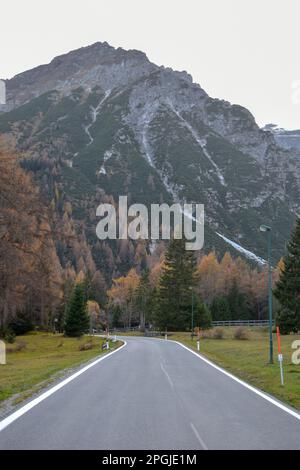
(106, 120)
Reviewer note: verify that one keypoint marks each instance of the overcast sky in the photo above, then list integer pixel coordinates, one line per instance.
(244, 51)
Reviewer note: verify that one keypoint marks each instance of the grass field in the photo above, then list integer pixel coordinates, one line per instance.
(41, 357)
(35, 360)
(248, 359)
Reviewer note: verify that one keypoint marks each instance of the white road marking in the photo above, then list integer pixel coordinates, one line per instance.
(202, 443)
(167, 375)
(17, 414)
(241, 382)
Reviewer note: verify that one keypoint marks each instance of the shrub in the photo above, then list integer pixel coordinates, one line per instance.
(7, 334)
(86, 346)
(205, 334)
(20, 346)
(21, 324)
(10, 337)
(241, 333)
(218, 333)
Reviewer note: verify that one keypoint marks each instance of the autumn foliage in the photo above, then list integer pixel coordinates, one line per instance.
(30, 272)
(45, 253)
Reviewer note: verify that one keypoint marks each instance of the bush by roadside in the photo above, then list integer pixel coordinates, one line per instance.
(241, 333)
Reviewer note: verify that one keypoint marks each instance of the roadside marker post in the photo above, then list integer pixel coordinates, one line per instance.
(280, 356)
(2, 352)
(198, 340)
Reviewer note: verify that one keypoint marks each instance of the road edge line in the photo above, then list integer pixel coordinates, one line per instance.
(241, 382)
(31, 404)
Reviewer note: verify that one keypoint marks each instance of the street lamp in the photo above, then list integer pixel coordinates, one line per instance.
(268, 230)
(191, 288)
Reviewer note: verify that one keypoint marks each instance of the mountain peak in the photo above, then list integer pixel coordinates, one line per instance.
(100, 52)
(97, 64)
(120, 124)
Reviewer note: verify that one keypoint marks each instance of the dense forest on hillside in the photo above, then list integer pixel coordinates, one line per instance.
(44, 253)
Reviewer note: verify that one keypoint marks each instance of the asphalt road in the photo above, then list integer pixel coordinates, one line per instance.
(153, 394)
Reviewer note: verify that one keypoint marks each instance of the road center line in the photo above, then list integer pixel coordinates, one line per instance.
(202, 443)
(167, 375)
(17, 414)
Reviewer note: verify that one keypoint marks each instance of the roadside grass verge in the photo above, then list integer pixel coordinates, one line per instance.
(35, 360)
(248, 360)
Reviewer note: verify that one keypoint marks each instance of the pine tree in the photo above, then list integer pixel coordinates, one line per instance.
(87, 286)
(143, 298)
(287, 290)
(202, 314)
(177, 279)
(237, 301)
(98, 288)
(77, 321)
(220, 309)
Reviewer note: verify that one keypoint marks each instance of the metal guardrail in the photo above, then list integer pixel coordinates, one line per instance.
(121, 328)
(155, 333)
(241, 323)
(138, 330)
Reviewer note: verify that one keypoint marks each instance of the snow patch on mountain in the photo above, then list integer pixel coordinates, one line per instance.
(248, 254)
(107, 155)
(146, 119)
(94, 114)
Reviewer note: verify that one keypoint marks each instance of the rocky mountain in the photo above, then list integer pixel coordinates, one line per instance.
(284, 138)
(100, 122)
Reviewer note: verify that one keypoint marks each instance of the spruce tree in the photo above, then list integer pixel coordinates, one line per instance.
(220, 309)
(202, 314)
(287, 290)
(175, 297)
(143, 299)
(77, 321)
(237, 302)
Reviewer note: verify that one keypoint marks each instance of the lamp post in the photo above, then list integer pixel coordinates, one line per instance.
(191, 288)
(268, 230)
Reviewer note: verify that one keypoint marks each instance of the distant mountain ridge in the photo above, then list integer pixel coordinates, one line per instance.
(285, 138)
(104, 121)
